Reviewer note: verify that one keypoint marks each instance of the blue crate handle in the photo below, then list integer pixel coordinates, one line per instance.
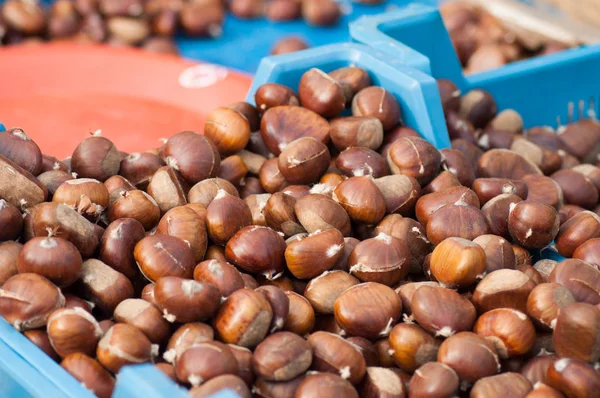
(416, 92)
(2, 128)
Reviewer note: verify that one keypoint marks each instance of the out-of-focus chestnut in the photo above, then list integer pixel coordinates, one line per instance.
(582, 280)
(73, 330)
(434, 379)
(282, 356)
(577, 332)
(502, 385)
(124, 345)
(89, 372)
(574, 378)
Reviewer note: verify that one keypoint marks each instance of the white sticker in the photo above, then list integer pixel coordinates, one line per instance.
(201, 76)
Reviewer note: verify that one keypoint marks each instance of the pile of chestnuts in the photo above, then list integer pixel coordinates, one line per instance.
(151, 24)
(483, 43)
(313, 245)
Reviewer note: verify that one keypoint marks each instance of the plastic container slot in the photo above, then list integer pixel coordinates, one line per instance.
(412, 88)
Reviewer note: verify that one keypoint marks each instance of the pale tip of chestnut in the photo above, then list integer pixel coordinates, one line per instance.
(333, 250)
(446, 331)
(391, 352)
(190, 287)
(385, 238)
(388, 328)
(154, 351)
(195, 380)
(408, 318)
(272, 275)
(322, 189)
(97, 133)
(169, 355)
(169, 317)
(561, 364)
(345, 372)
(172, 163)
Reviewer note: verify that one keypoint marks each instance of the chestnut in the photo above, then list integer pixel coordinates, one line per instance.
(541, 390)
(588, 252)
(73, 330)
(52, 179)
(536, 368)
(96, 157)
(497, 211)
(89, 372)
(499, 253)
(407, 290)
(117, 245)
(315, 253)
(288, 44)
(574, 378)
(428, 204)
(502, 385)
(577, 188)
(414, 157)
(455, 162)
(225, 216)
(194, 156)
(544, 190)
(377, 102)
(471, 356)
(16, 146)
(54, 258)
(103, 286)
(265, 388)
(441, 311)
(186, 300)
(457, 262)
(504, 288)
(326, 385)
(352, 80)
(362, 199)
(321, 93)
(164, 255)
(577, 332)
(434, 379)
(222, 275)
(9, 253)
(280, 305)
(478, 107)
(228, 130)
(354, 310)
(459, 128)
(510, 331)
(318, 212)
(167, 188)
(270, 176)
(440, 226)
(186, 336)
(449, 94)
(281, 125)
(356, 131)
(323, 290)
(304, 160)
(27, 300)
(489, 188)
(184, 223)
(138, 168)
(220, 383)
(470, 150)
(533, 225)
(411, 346)
(88, 196)
(576, 231)
(360, 161)
(380, 381)
(50, 163)
(243, 251)
(547, 160)
(503, 163)
(317, 13)
(366, 348)
(116, 183)
(137, 205)
(301, 315)
(383, 259)
(124, 345)
(282, 356)
(582, 280)
(205, 361)
(400, 193)
(333, 354)
(40, 339)
(19, 187)
(144, 316)
(243, 318)
(546, 301)
(270, 95)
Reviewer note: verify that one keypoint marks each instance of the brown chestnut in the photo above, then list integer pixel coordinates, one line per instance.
(73, 330)
(505, 288)
(510, 331)
(88, 371)
(282, 356)
(186, 300)
(192, 155)
(164, 255)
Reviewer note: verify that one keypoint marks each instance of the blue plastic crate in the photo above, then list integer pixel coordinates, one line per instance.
(27, 372)
(416, 92)
(544, 90)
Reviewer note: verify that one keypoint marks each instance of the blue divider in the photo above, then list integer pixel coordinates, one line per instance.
(542, 89)
(416, 92)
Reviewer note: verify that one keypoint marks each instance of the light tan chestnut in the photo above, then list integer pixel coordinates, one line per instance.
(244, 318)
(323, 290)
(314, 254)
(368, 310)
(144, 316)
(510, 331)
(457, 262)
(282, 356)
(411, 346)
(442, 311)
(383, 259)
(124, 345)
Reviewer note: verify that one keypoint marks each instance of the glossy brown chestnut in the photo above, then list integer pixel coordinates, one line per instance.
(315, 253)
(280, 305)
(184, 223)
(27, 300)
(244, 250)
(301, 315)
(40, 339)
(574, 378)
(205, 361)
(503, 163)
(167, 188)
(544, 190)
(499, 253)
(533, 225)
(333, 354)
(163, 255)
(186, 300)
(502, 385)
(457, 262)
(89, 372)
(270, 95)
(411, 346)
(12, 221)
(16, 145)
(96, 157)
(9, 253)
(440, 226)
(428, 204)
(478, 107)
(103, 286)
(137, 205)
(73, 330)
(192, 155)
(414, 157)
(304, 160)
(19, 187)
(582, 280)
(185, 337)
(225, 216)
(577, 188)
(323, 290)
(380, 381)
(577, 332)
(576, 231)
(400, 193)
(377, 102)
(434, 379)
(221, 274)
(354, 310)
(362, 199)
(124, 345)
(244, 318)
(144, 316)
(282, 356)
(505, 288)
(510, 331)
(219, 383)
(546, 301)
(383, 259)
(489, 188)
(356, 131)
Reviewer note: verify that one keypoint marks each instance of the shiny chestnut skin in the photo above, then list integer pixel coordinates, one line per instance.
(505, 384)
(356, 131)
(503, 163)
(362, 199)
(89, 372)
(439, 226)
(582, 280)
(280, 306)
(377, 102)
(504, 288)
(533, 225)
(205, 361)
(577, 332)
(192, 155)
(315, 253)
(457, 262)
(135, 204)
(186, 336)
(434, 379)
(146, 317)
(545, 303)
(138, 168)
(577, 188)
(270, 95)
(334, 354)
(16, 146)
(498, 252)
(315, 211)
(73, 330)
(219, 383)
(186, 300)
(243, 250)
(576, 231)
(163, 255)
(325, 385)
(510, 331)
(96, 157)
(489, 188)
(124, 345)
(304, 160)
(282, 356)
(544, 190)
(414, 157)
(301, 315)
(27, 300)
(221, 274)
(9, 253)
(588, 252)
(359, 161)
(430, 203)
(574, 378)
(117, 244)
(225, 216)
(353, 310)
(228, 130)
(321, 93)
(186, 224)
(411, 346)
(478, 107)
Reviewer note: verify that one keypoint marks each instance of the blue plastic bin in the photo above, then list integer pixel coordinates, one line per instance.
(416, 92)
(544, 90)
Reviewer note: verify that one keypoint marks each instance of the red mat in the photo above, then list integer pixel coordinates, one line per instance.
(59, 93)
